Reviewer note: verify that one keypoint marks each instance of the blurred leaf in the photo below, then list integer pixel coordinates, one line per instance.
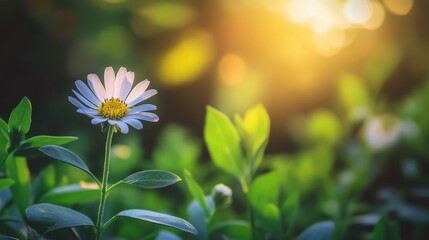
(5, 183)
(324, 127)
(42, 140)
(17, 170)
(159, 13)
(223, 143)
(354, 96)
(113, 41)
(175, 143)
(152, 179)
(44, 181)
(20, 118)
(379, 68)
(158, 218)
(318, 231)
(166, 235)
(66, 156)
(196, 192)
(386, 229)
(72, 194)
(290, 209)
(4, 237)
(254, 130)
(264, 198)
(4, 140)
(48, 217)
(197, 217)
(233, 229)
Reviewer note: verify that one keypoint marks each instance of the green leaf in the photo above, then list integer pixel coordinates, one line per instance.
(72, 194)
(4, 140)
(318, 231)
(264, 197)
(4, 237)
(233, 229)
(5, 183)
(196, 192)
(20, 118)
(166, 235)
(152, 179)
(43, 140)
(44, 181)
(49, 217)
(158, 218)
(66, 156)
(17, 170)
(254, 130)
(197, 217)
(290, 209)
(223, 143)
(386, 229)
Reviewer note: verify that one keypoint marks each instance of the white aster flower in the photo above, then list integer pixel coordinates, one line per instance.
(115, 103)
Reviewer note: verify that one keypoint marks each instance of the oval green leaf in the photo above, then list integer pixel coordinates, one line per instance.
(43, 140)
(4, 139)
(5, 183)
(17, 170)
(223, 143)
(152, 179)
(158, 218)
(20, 117)
(196, 192)
(49, 217)
(66, 156)
(72, 194)
(319, 231)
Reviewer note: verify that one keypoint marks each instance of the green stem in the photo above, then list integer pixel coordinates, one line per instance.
(104, 182)
(252, 221)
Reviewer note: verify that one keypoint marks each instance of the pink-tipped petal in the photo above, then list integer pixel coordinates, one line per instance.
(109, 81)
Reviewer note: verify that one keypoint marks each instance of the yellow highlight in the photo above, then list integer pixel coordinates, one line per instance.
(187, 60)
(232, 69)
(399, 7)
(123, 152)
(88, 185)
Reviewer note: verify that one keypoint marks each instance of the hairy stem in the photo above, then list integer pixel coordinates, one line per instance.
(104, 182)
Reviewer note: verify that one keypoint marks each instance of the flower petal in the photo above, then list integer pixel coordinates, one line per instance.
(96, 86)
(80, 106)
(133, 122)
(149, 93)
(142, 108)
(84, 100)
(137, 91)
(146, 116)
(120, 78)
(125, 89)
(109, 81)
(98, 120)
(86, 92)
(123, 126)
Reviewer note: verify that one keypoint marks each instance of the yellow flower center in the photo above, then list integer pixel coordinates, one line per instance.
(113, 108)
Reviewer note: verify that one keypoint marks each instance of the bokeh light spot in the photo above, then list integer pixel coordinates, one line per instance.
(187, 59)
(232, 69)
(399, 7)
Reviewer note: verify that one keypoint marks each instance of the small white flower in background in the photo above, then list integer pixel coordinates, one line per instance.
(384, 131)
(115, 103)
(222, 195)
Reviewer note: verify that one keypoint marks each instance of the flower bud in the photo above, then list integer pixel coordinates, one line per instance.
(222, 195)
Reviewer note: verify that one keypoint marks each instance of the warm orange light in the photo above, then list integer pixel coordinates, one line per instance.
(232, 69)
